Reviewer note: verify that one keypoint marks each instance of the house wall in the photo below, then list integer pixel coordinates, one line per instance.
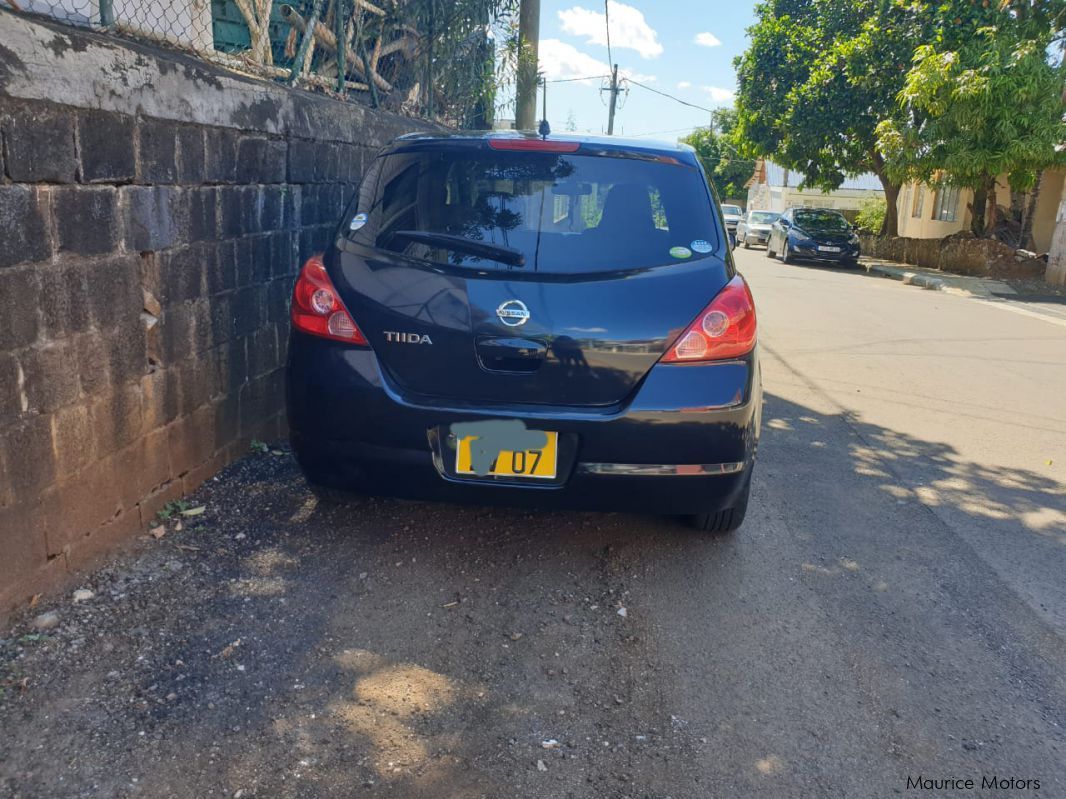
(1047, 207)
(928, 228)
(925, 227)
(153, 214)
(762, 197)
(186, 22)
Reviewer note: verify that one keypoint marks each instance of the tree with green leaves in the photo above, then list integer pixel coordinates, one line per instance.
(818, 79)
(725, 167)
(982, 99)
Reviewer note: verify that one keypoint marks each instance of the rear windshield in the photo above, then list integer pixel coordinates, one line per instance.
(731, 210)
(550, 212)
(827, 221)
(763, 217)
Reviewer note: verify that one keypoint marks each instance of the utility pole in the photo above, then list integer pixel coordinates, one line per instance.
(528, 48)
(614, 100)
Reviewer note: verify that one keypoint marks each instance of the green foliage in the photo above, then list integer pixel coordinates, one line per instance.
(871, 217)
(458, 55)
(172, 508)
(259, 446)
(726, 170)
(980, 100)
(818, 78)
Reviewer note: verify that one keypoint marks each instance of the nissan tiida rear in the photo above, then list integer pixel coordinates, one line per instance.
(551, 322)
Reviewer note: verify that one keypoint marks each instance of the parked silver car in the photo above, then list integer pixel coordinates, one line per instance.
(732, 214)
(754, 227)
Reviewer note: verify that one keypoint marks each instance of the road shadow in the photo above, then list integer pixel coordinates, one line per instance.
(284, 648)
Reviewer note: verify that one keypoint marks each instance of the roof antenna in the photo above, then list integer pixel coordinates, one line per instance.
(544, 129)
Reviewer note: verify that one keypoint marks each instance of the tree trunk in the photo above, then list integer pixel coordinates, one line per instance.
(993, 212)
(978, 209)
(890, 227)
(1029, 213)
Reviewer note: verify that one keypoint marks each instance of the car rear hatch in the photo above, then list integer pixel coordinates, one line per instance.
(481, 273)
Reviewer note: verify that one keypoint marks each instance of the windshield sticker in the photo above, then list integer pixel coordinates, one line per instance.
(681, 252)
(700, 245)
(357, 221)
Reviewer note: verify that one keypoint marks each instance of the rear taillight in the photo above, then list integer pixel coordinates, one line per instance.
(724, 329)
(316, 308)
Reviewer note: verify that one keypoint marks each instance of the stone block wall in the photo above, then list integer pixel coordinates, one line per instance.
(153, 214)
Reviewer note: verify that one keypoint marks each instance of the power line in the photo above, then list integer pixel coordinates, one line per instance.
(670, 96)
(572, 80)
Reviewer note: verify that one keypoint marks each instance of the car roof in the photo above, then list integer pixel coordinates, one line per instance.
(466, 139)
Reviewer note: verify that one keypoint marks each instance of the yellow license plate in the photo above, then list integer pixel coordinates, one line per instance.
(540, 463)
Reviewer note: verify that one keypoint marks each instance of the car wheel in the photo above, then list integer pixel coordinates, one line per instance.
(769, 250)
(729, 519)
(786, 254)
(744, 242)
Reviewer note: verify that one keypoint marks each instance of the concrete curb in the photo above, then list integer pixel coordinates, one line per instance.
(981, 288)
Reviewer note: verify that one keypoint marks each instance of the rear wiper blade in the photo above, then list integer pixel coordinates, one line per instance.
(495, 252)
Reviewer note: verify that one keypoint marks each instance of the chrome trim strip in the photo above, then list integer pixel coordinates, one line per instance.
(662, 469)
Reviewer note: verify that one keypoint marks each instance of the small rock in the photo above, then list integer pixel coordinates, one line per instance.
(516, 636)
(158, 532)
(551, 743)
(82, 595)
(239, 537)
(541, 766)
(623, 612)
(171, 696)
(46, 621)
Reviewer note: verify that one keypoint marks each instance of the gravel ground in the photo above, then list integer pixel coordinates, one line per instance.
(275, 647)
(892, 609)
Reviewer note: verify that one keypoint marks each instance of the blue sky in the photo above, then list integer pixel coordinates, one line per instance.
(684, 48)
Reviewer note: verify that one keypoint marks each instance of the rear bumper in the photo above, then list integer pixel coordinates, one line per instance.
(849, 255)
(352, 428)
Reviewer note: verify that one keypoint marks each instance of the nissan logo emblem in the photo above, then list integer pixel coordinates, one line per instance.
(513, 313)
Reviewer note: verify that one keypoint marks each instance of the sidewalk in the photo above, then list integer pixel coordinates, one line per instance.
(983, 288)
(1027, 297)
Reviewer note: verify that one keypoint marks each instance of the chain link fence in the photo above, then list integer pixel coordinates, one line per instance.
(436, 59)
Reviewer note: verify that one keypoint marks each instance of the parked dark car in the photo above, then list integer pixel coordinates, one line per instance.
(552, 322)
(754, 227)
(813, 234)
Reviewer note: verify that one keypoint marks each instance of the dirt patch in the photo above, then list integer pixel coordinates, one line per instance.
(279, 648)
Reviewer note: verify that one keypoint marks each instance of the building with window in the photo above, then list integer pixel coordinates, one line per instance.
(933, 212)
(774, 188)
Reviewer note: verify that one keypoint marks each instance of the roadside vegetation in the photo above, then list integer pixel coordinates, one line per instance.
(949, 92)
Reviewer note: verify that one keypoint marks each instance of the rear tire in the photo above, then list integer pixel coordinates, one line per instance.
(729, 519)
(769, 250)
(786, 255)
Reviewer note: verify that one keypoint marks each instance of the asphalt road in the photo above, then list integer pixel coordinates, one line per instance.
(894, 607)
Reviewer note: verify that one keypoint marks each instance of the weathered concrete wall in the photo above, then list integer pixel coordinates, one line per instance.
(153, 212)
(960, 254)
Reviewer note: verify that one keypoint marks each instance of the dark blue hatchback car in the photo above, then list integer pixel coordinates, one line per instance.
(551, 322)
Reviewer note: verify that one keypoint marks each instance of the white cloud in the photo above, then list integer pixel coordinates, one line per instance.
(707, 40)
(720, 95)
(562, 61)
(684, 85)
(629, 29)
